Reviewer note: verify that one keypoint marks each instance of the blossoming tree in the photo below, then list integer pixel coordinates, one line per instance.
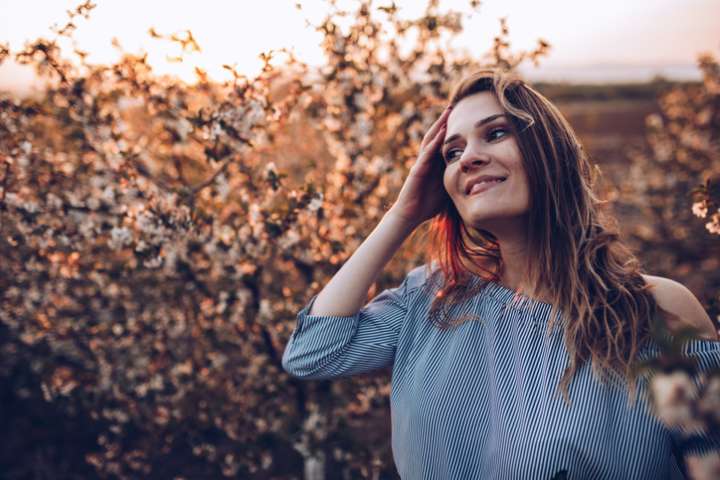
(159, 237)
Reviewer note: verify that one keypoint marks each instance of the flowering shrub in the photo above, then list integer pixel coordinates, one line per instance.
(159, 238)
(683, 154)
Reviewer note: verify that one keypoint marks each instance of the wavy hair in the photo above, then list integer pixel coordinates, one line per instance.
(575, 255)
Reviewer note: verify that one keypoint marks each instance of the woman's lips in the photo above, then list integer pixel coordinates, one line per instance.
(483, 187)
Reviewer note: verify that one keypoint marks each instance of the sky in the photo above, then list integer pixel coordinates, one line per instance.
(594, 41)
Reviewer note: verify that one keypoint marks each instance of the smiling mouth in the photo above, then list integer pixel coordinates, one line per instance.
(483, 186)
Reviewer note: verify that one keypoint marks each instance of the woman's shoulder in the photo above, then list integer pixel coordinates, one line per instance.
(681, 309)
(421, 275)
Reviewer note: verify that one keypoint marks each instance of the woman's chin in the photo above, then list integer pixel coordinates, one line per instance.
(486, 220)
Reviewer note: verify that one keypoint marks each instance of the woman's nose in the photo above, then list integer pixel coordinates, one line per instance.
(472, 159)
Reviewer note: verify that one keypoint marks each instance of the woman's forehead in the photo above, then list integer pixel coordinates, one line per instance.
(478, 108)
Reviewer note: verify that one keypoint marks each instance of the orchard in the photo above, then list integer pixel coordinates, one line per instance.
(158, 238)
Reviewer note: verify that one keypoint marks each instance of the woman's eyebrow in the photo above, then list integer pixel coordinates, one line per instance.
(478, 124)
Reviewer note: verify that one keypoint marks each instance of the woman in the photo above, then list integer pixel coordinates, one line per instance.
(527, 294)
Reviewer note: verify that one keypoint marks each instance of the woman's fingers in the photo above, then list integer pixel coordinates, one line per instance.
(430, 135)
(434, 147)
(437, 141)
(437, 125)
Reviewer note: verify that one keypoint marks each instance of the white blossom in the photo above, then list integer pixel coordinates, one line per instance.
(704, 467)
(222, 186)
(673, 396)
(289, 239)
(699, 209)
(53, 201)
(713, 226)
(153, 262)
(119, 237)
(108, 195)
(316, 203)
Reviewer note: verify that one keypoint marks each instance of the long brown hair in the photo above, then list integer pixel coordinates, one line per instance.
(575, 254)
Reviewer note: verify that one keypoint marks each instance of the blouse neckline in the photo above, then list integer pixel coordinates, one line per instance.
(510, 297)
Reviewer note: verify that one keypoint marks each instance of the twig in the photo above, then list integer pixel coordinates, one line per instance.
(209, 181)
(4, 182)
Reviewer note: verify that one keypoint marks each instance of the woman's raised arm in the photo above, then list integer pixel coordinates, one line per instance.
(336, 333)
(420, 199)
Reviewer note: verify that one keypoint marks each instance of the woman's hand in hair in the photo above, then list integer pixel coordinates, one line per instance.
(423, 195)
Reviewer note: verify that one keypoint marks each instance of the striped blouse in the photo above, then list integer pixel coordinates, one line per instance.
(481, 400)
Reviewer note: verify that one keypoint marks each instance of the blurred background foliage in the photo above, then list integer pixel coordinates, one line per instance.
(159, 237)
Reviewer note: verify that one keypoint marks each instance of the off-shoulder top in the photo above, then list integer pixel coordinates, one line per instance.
(481, 400)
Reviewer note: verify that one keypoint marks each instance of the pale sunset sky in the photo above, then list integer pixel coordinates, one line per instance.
(593, 41)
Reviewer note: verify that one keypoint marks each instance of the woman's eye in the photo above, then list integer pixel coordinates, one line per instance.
(450, 154)
(494, 131)
(494, 134)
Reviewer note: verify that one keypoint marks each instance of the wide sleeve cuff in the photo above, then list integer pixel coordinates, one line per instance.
(328, 346)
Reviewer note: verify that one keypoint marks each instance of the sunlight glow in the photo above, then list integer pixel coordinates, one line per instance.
(236, 32)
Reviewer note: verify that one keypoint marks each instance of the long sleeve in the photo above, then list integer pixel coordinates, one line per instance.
(323, 347)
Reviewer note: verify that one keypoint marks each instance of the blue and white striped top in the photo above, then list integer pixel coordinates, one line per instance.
(481, 400)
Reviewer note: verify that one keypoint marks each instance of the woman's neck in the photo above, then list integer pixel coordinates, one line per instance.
(514, 275)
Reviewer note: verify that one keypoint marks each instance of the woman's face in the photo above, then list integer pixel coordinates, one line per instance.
(479, 142)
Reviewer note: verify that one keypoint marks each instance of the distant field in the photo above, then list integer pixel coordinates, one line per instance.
(606, 128)
(608, 118)
(609, 91)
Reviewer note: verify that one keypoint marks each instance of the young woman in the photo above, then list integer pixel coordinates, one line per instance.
(512, 349)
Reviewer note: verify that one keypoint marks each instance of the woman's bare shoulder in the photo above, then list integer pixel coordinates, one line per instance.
(683, 308)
